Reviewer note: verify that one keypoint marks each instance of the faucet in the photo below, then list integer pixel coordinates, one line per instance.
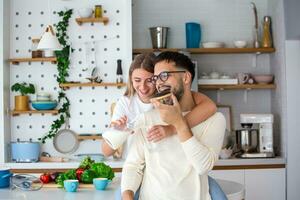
(255, 43)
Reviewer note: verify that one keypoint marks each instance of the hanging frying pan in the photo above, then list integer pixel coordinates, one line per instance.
(65, 140)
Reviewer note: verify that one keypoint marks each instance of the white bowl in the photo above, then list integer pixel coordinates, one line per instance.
(240, 43)
(213, 44)
(85, 12)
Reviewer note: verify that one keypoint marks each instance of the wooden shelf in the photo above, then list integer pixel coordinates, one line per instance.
(16, 113)
(210, 50)
(103, 20)
(68, 85)
(89, 137)
(16, 61)
(237, 87)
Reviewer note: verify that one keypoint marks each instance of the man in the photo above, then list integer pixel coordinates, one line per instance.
(177, 167)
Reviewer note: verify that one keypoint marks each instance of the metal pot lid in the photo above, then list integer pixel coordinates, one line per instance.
(66, 141)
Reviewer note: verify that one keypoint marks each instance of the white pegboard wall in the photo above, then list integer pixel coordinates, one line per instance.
(94, 44)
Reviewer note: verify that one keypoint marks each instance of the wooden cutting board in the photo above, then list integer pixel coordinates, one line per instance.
(81, 185)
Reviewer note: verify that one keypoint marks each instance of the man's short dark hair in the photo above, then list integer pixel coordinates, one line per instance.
(180, 60)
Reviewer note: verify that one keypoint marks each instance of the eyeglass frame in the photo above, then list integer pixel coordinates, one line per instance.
(154, 78)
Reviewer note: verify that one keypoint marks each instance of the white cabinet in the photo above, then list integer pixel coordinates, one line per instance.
(260, 184)
(265, 184)
(230, 175)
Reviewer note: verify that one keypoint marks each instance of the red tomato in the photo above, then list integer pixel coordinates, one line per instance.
(79, 171)
(45, 178)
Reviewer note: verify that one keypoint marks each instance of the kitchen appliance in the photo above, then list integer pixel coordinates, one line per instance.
(255, 140)
(159, 37)
(25, 151)
(5, 177)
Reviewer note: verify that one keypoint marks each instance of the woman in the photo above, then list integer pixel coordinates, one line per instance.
(136, 100)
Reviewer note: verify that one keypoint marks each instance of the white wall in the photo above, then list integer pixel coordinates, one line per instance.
(4, 79)
(293, 110)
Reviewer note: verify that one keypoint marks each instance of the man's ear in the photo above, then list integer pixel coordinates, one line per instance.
(187, 78)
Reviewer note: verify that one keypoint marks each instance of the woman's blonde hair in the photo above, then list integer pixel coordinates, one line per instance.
(142, 61)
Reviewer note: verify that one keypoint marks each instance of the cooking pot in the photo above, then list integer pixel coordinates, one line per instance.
(247, 140)
(25, 151)
(4, 177)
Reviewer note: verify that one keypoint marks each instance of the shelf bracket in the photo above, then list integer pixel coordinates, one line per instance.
(246, 94)
(219, 95)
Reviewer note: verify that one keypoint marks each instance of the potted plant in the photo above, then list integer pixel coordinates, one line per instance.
(22, 101)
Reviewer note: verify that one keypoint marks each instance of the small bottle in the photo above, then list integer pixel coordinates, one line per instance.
(119, 71)
(98, 11)
(267, 33)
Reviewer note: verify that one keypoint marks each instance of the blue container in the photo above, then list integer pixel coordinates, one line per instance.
(44, 105)
(100, 183)
(193, 35)
(4, 177)
(25, 151)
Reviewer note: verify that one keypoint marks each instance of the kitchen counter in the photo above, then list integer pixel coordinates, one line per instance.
(232, 190)
(233, 163)
(53, 193)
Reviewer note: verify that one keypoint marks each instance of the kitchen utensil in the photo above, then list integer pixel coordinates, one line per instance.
(263, 78)
(256, 42)
(213, 44)
(26, 182)
(214, 75)
(85, 12)
(25, 151)
(65, 140)
(5, 177)
(53, 159)
(98, 157)
(247, 140)
(240, 43)
(44, 105)
(159, 36)
(192, 35)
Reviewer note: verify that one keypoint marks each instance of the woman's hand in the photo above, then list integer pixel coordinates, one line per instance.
(158, 132)
(120, 123)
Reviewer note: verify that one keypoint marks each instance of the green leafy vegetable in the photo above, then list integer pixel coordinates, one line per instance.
(86, 163)
(88, 175)
(103, 171)
(68, 175)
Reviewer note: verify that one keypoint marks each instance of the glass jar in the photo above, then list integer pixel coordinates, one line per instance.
(98, 11)
(35, 53)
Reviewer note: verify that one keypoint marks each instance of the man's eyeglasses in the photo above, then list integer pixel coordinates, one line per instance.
(163, 76)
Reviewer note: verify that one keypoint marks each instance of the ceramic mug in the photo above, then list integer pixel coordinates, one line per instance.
(243, 78)
(71, 185)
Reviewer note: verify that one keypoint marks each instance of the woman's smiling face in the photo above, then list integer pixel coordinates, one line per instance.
(141, 81)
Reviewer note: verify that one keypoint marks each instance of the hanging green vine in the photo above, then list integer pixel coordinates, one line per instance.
(63, 63)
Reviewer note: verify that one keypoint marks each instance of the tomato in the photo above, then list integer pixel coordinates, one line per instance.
(79, 171)
(45, 178)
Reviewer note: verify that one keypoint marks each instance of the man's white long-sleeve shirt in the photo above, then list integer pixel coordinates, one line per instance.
(174, 170)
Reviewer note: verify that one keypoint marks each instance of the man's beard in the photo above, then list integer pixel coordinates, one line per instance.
(178, 92)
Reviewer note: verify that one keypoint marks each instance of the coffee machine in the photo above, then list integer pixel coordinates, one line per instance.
(255, 140)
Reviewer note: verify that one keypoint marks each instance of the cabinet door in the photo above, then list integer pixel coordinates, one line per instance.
(265, 184)
(230, 175)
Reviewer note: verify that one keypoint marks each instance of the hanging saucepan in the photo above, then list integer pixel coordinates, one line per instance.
(65, 140)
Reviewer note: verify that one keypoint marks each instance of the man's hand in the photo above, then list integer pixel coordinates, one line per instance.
(159, 132)
(127, 195)
(170, 114)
